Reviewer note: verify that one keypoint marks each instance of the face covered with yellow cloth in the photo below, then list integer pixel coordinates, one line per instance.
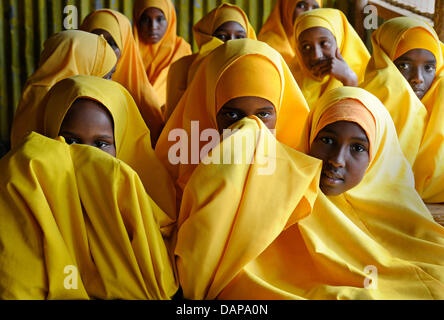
(64, 55)
(406, 73)
(229, 75)
(80, 225)
(130, 71)
(328, 53)
(90, 110)
(375, 240)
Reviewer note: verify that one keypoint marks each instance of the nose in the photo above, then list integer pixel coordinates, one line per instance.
(337, 158)
(417, 77)
(316, 53)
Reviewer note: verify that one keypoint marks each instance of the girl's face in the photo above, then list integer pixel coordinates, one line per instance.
(343, 147)
(303, 6)
(230, 30)
(418, 66)
(316, 46)
(238, 108)
(88, 122)
(152, 25)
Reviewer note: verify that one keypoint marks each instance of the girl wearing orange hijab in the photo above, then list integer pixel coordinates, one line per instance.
(328, 53)
(66, 54)
(279, 27)
(154, 23)
(226, 22)
(406, 72)
(130, 71)
(239, 78)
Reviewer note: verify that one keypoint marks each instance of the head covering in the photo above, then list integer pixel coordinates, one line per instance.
(379, 230)
(131, 136)
(130, 71)
(80, 226)
(199, 101)
(418, 123)
(158, 57)
(278, 30)
(182, 71)
(350, 45)
(65, 54)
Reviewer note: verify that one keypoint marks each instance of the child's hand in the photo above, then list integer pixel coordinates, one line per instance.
(341, 71)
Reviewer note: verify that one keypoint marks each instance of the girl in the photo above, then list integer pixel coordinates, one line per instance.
(279, 27)
(406, 73)
(66, 54)
(328, 53)
(130, 71)
(155, 33)
(226, 22)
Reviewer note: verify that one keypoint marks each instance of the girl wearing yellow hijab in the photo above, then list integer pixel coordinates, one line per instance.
(279, 27)
(154, 23)
(65, 54)
(240, 78)
(406, 72)
(226, 22)
(369, 235)
(68, 113)
(328, 53)
(130, 71)
(78, 224)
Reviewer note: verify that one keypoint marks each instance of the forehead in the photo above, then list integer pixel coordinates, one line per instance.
(153, 12)
(346, 129)
(418, 55)
(230, 26)
(309, 2)
(248, 104)
(316, 33)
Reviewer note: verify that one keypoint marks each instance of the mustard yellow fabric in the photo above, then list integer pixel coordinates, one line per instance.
(182, 71)
(350, 45)
(378, 233)
(78, 224)
(418, 122)
(131, 136)
(130, 71)
(158, 58)
(231, 213)
(63, 56)
(278, 30)
(199, 100)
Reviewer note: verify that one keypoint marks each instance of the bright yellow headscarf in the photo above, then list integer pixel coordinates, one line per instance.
(79, 226)
(379, 230)
(278, 30)
(350, 45)
(418, 123)
(182, 71)
(231, 213)
(253, 60)
(65, 54)
(130, 71)
(158, 58)
(131, 136)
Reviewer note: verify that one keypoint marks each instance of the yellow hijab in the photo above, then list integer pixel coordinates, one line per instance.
(348, 41)
(278, 30)
(418, 123)
(158, 58)
(131, 136)
(79, 226)
(375, 241)
(259, 71)
(182, 71)
(231, 213)
(64, 55)
(130, 71)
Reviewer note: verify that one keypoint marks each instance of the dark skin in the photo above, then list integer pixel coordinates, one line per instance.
(113, 45)
(238, 108)
(418, 66)
(88, 122)
(152, 26)
(304, 6)
(343, 148)
(230, 30)
(320, 54)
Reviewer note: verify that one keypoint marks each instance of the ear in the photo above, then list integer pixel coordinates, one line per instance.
(338, 55)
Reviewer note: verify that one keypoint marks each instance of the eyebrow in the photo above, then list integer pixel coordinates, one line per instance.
(68, 133)
(365, 139)
(237, 109)
(410, 59)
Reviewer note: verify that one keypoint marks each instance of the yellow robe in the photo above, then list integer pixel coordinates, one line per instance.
(78, 224)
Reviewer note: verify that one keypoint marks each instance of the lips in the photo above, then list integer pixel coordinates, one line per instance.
(332, 178)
